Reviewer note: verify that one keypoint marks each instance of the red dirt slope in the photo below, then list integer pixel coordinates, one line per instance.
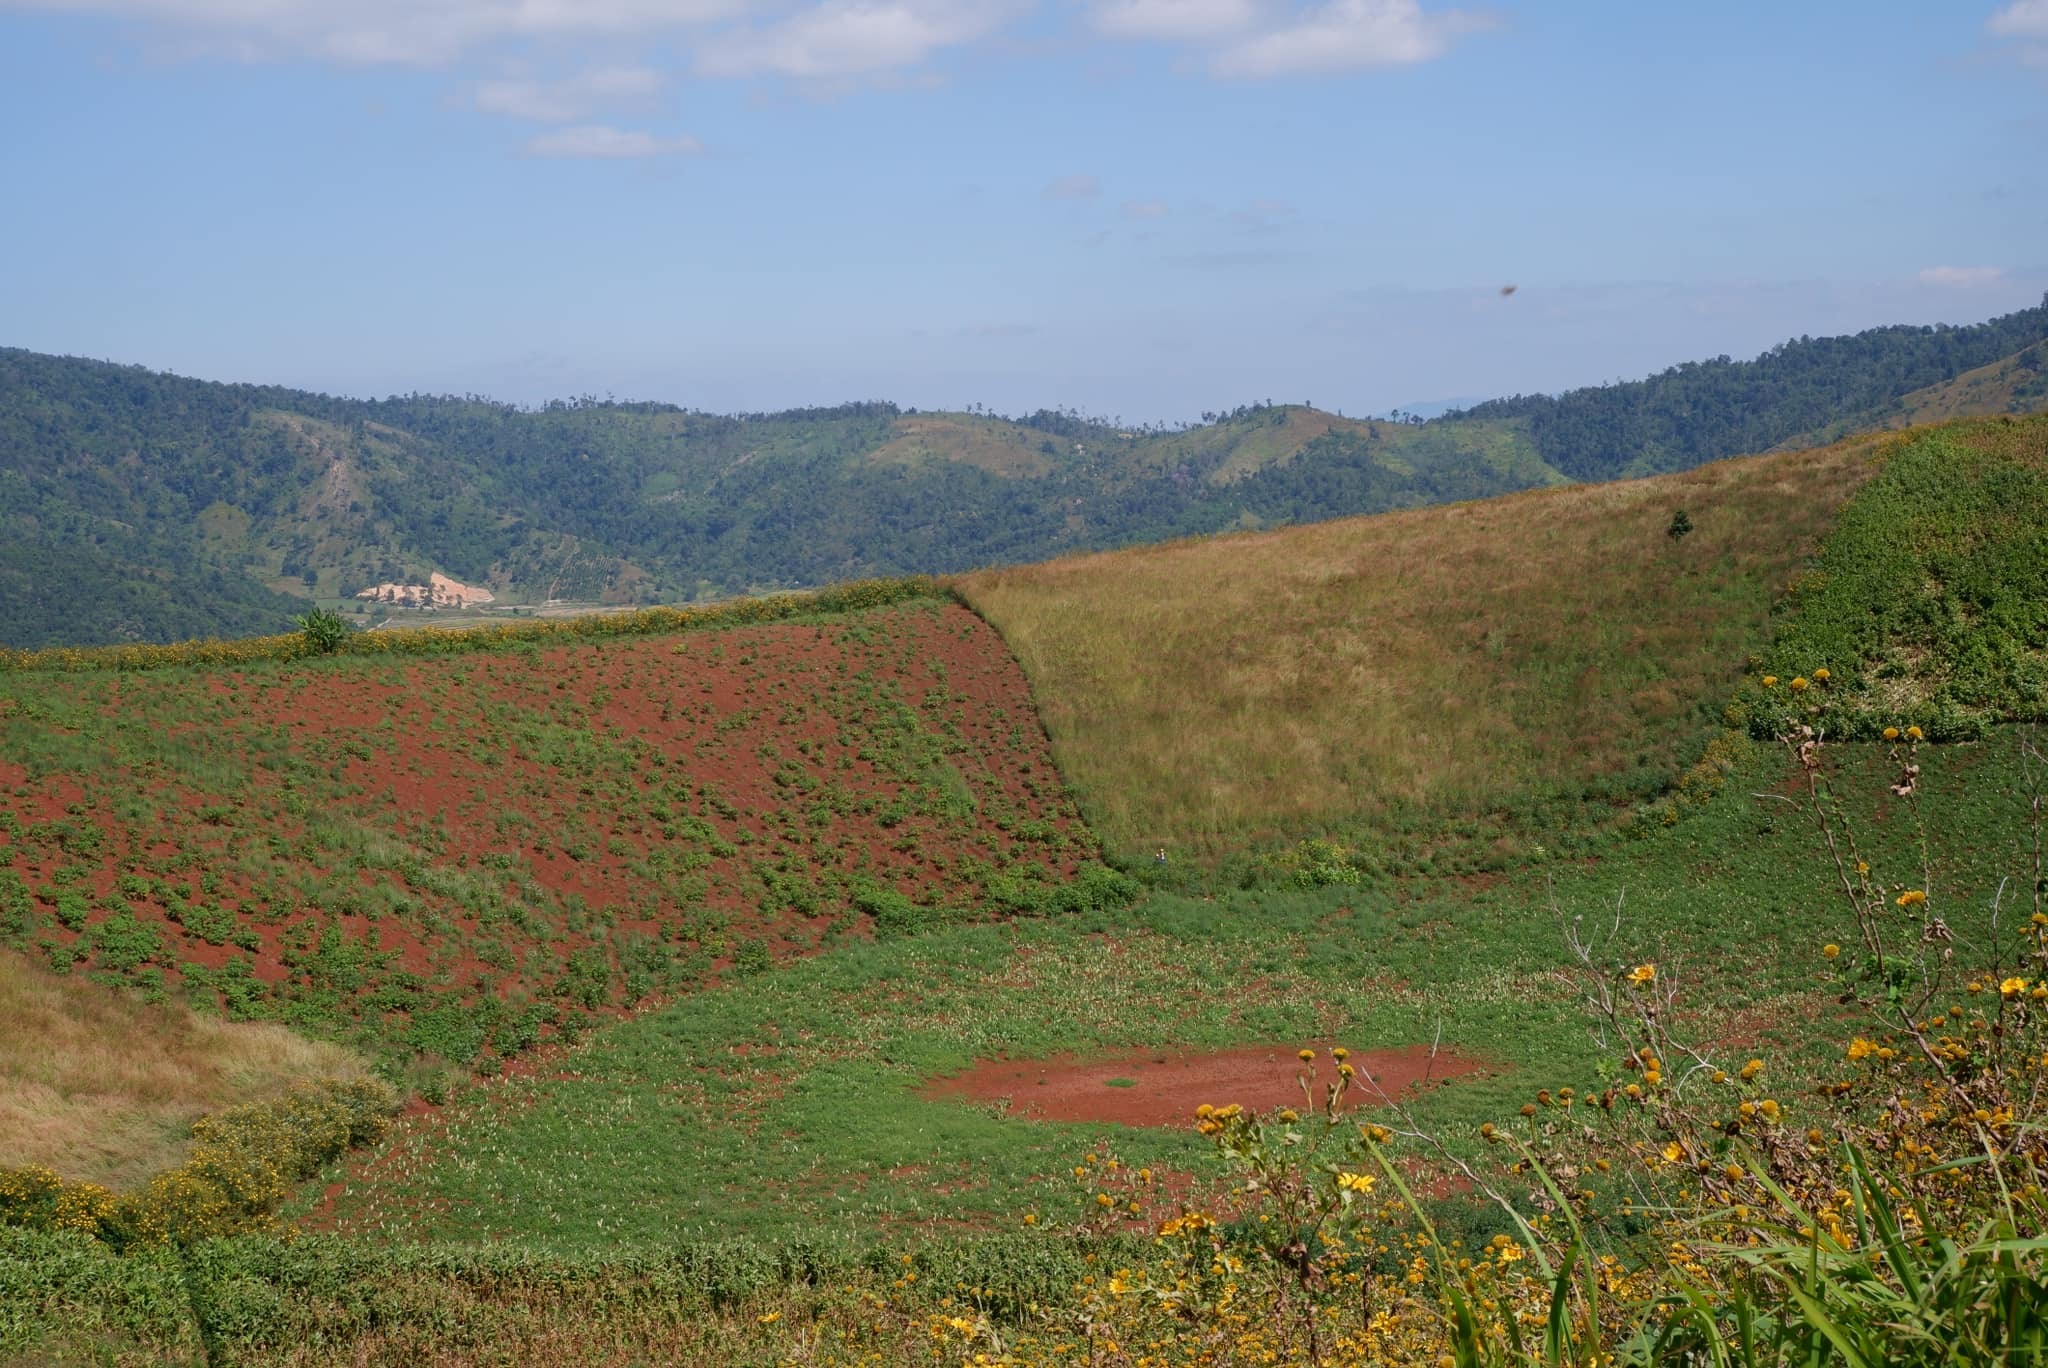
(536, 833)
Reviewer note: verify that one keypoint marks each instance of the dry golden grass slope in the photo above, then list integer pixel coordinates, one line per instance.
(1207, 693)
(99, 1085)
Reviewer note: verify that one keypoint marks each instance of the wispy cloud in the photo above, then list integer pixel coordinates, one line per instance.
(1963, 277)
(1257, 39)
(2021, 19)
(2023, 24)
(810, 40)
(1346, 35)
(570, 98)
(412, 32)
(1177, 21)
(1145, 209)
(840, 38)
(601, 141)
(1074, 187)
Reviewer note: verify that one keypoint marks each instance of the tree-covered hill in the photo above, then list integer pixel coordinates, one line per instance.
(1701, 410)
(142, 506)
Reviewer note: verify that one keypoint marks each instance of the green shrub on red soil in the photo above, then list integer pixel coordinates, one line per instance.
(459, 855)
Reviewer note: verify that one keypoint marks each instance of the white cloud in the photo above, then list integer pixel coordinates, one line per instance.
(1145, 209)
(2021, 19)
(1346, 35)
(414, 32)
(818, 41)
(1077, 187)
(1176, 20)
(852, 37)
(1963, 277)
(605, 142)
(575, 97)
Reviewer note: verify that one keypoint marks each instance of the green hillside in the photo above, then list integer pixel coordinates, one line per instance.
(1705, 409)
(829, 864)
(2015, 384)
(140, 506)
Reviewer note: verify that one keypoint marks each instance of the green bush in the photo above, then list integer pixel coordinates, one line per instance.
(244, 1163)
(321, 631)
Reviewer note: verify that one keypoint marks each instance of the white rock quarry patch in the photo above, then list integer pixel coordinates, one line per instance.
(438, 592)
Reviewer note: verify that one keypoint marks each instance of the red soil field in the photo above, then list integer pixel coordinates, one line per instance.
(1155, 1088)
(355, 841)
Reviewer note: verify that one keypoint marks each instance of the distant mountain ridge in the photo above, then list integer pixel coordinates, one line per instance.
(1701, 410)
(143, 506)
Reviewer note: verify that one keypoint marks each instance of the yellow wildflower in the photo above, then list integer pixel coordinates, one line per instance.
(1830, 950)
(1643, 973)
(1912, 897)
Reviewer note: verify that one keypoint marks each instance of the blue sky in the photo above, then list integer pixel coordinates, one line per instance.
(1144, 208)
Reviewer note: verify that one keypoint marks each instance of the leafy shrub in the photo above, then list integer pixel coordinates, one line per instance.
(68, 1298)
(1323, 864)
(1929, 600)
(321, 631)
(244, 1163)
(893, 913)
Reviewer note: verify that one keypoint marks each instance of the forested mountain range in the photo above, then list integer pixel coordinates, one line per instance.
(136, 505)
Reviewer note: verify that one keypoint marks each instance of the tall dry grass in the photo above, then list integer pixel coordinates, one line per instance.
(103, 1087)
(1206, 693)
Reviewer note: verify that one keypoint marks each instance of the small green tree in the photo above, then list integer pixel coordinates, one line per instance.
(323, 629)
(1681, 524)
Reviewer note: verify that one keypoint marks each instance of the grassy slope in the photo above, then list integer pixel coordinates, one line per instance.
(1237, 447)
(789, 1106)
(101, 1086)
(2015, 384)
(990, 444)
(451, 855)
(791, 1103)
(1207, 694)
(1930, 602)
(782, 1105)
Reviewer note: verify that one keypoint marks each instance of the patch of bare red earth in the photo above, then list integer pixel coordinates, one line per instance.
(1150, 1088)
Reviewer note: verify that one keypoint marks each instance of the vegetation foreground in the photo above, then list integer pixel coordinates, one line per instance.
(1750, 1071)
